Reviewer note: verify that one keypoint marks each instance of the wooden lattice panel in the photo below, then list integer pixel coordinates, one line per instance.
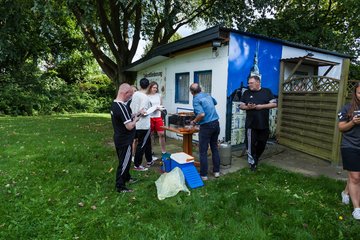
(350, 87)
(311, 84)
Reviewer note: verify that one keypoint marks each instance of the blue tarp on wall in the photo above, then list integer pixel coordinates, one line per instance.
(242, 54)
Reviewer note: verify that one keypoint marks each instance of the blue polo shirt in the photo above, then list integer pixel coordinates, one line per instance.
(204, 103)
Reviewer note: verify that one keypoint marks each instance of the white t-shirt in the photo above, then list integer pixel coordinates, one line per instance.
(155, 100)
(141, 101)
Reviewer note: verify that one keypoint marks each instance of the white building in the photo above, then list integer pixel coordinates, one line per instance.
(221, 60)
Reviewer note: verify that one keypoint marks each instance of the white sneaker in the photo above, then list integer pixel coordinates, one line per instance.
(149, 164)
(154, 158)
(345, 198)
(140, 168)
(356, 213)
(216, 174)
(204, 178)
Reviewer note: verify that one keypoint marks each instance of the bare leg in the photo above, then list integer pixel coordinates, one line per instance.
(162, 141)
(346, 190)
(135, 142)
(354, 188)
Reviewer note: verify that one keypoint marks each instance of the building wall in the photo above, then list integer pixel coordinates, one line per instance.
(249, 57)
(231, 65)
(291, 52)
(199, 60)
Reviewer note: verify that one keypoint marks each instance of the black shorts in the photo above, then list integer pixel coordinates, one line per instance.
(351, 159)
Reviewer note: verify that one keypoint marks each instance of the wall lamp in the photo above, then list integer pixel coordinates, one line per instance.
(216, 44)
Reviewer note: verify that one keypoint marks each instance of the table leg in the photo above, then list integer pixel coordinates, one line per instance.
(187, 144)
(187, 147)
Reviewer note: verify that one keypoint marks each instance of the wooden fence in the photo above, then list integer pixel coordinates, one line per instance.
(307, 118)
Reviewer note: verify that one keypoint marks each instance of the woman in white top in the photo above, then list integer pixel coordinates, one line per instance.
(155, 118)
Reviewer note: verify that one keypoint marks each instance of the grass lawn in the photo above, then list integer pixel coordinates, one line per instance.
(57, 182)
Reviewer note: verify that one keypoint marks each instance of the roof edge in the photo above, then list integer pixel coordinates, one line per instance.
(217, 32)
(288, 43)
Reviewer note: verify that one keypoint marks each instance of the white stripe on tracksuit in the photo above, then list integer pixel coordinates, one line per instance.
(250, 157)
(146, 137)
(126, 159)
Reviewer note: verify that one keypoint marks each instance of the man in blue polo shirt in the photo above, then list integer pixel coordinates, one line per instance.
(208, 119)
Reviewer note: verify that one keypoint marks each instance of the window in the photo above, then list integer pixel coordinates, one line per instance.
(182, 87)
(203, 78)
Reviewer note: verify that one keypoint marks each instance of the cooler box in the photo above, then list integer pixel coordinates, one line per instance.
(186, 163)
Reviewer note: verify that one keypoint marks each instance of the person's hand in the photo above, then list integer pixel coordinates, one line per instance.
(137, 118)
(193, 123)
(356, 120)
(251, 106)
(142, 112)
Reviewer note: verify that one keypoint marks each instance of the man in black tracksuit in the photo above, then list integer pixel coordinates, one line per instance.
(123, 122)
(256, 101)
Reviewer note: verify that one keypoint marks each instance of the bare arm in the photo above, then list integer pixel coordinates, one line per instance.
(244, 106)
(198, 118)
(346, 126)
(265, 106)
(130, 125)
(250, 106)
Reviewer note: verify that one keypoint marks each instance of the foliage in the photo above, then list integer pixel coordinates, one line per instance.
(113, 28)
(44, 62)
(148, 47)
(328, 24)
(354, 73)
(30, 91)
(57, 182)
(20, 36)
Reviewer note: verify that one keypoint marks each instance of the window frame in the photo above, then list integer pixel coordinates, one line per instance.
(177, 100)
(196, 79)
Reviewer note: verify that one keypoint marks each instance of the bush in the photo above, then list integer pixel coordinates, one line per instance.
(39, 94)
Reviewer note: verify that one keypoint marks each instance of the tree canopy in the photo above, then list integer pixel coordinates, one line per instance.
(329, 24)
(64, 36)
(113, 28)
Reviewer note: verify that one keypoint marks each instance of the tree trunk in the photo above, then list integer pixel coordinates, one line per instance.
(124, 77)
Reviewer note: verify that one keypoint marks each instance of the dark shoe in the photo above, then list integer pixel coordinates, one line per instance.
(253, 167)
(133, 180)
(124, 190)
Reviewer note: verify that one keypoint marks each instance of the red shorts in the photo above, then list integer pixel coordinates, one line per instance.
(156, 124)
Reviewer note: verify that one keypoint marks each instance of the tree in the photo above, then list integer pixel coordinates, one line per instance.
(20, 37)
(45, 65)
(328, 24)
(113, 28)
(148, 47)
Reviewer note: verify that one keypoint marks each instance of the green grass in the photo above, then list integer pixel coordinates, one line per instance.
(48, 165)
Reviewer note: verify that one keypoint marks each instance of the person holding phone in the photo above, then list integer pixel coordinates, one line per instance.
(256, 101)
(124, 123)
(349, 125)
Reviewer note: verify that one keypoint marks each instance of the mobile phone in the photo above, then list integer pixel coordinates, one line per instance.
(357, 113)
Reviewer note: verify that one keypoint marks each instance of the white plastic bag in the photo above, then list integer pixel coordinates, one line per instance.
(169, 184)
